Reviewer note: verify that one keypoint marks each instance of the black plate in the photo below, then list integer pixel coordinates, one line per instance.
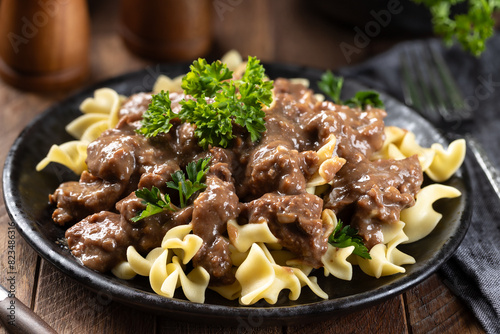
(26, 198)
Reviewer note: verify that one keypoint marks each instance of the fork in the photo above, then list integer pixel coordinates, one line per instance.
(429, 87)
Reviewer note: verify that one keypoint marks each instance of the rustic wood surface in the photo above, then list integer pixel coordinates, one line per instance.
(281, 31)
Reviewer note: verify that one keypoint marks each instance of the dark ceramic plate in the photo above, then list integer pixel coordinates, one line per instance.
(26, 198)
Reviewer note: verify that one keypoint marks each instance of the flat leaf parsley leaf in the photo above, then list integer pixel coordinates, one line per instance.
(216, 103)
(332, 85)
(156, 202)
(196, 172)
(345, 236)
(365, 98)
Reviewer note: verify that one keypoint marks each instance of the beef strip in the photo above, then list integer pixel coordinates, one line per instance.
(295, 220)
(212, 209)
(372, 193)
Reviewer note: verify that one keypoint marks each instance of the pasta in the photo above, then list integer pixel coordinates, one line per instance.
(99, 114)
(262, 263)
(439, 164)
(421, 218)
(261, 278)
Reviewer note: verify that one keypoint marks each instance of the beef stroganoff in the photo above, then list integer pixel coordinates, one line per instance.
(324, 187)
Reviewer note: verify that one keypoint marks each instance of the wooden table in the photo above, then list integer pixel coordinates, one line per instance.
(274, 31)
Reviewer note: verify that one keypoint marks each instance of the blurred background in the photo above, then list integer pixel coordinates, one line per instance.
(117, 36)
(126, 35)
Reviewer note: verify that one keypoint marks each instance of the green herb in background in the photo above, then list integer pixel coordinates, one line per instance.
(332, 85)
(471, 29)
(345, 236)
(365, 98)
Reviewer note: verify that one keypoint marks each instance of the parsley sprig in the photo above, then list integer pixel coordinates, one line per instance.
(158, 116)
(196, 172)
(156, 202)
(470, 29)
(217, 102)
(332, 85)
(345, 236)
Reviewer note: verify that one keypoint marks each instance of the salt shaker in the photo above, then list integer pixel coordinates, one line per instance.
(166, 30)
(44, 43)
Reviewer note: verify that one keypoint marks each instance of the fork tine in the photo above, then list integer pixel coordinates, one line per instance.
(435, 85)
(429, 87)
(457, 102)
(414, 85)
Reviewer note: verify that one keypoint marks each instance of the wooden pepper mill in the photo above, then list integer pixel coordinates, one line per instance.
(167, 30)
(44, 43)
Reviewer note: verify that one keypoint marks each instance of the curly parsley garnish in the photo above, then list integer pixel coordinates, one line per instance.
(158, 116)
(156, 202)
(332, 86)
(196, 172)
(470, 29)
(217, 103)
(345, 236)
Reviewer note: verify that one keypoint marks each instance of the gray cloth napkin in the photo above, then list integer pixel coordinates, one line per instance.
(473, 272)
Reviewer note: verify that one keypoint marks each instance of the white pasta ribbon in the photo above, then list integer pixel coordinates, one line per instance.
(165, 278)
(99, 114)
(386, 259)
(335, 262)
(164, 268)
(439, 164)
(230, 292)
(319, 97)
(300, 81)
(335, 259)
(421, 218)
(260, 278)
(123, 270)
(393, 137)
(80, 125)
(139, 264)
(391, 231)
(71, 154)
(167, 84)
(329, 165)
(105, 101)
(242, 237)
(178, 238)
(409, 147)
(232, 59)
(446, 162)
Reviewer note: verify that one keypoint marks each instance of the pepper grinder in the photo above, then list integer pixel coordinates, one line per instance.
(44, 43)
(167, 30)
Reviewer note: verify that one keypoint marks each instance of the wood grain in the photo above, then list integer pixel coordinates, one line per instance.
(432, 308)
(386, 317)
(278, 30)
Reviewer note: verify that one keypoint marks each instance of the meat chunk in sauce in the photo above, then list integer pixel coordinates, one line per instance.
(295, 220)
